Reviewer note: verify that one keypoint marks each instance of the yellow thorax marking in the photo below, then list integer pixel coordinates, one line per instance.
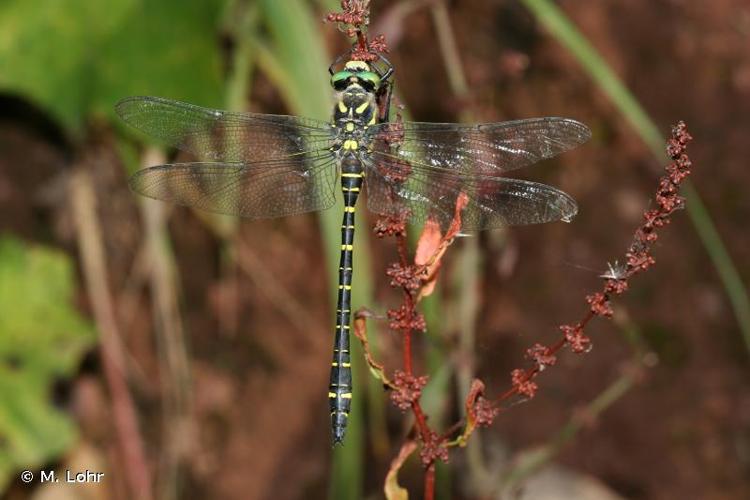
(362, 107)
(342, 107)
(350, 127)
(350, 145)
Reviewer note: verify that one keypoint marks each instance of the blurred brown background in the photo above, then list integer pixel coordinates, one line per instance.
(224, 327)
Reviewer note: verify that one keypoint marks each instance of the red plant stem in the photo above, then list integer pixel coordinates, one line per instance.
(362, 40)
(419, 416)
(421, 420)
(407, 353)
(402, 252)
(429, 482)
(406, 339)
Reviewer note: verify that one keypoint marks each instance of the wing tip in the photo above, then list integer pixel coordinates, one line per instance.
(584, 132)
(122, 106)
(135, 182)
(581, 131)
(567, 207)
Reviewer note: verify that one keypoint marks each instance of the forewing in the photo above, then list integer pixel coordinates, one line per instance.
(492, 201)
(487, 149)
(263, 189)
(223, 136)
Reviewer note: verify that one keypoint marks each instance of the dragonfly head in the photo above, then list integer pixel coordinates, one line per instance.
(356, 72)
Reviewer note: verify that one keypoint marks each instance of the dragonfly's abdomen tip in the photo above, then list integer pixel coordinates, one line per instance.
(338, 429)
(338, 425)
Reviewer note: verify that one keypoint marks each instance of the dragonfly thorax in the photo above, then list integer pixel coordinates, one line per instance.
(354, 112)
(355, 105)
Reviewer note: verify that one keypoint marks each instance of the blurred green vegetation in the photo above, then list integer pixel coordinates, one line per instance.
(76, 58)
(43, 338)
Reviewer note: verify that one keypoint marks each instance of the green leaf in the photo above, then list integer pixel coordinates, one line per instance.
(48, 48)
(42, 338)
(79, 57)
(168, 48)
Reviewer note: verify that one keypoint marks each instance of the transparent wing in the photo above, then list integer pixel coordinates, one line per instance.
(486, 149)
(223, 136)
(264, 189)
(395, 187)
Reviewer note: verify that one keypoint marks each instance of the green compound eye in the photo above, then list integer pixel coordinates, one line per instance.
(370, 80)
(340, 79)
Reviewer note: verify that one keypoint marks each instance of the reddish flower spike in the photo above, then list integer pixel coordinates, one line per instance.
(390, 226)
(378, 44)
(408, 389)
(485, 412)
(404, 277)
(616, 286)
(579, 343)
(541, 355)
(406, 318)
(433, 449)
(600, 304)
(522, 383)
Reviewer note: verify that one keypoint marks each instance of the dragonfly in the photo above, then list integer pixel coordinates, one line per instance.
(264, 165)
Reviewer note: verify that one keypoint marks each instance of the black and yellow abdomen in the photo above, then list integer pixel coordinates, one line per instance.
(340, 388)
